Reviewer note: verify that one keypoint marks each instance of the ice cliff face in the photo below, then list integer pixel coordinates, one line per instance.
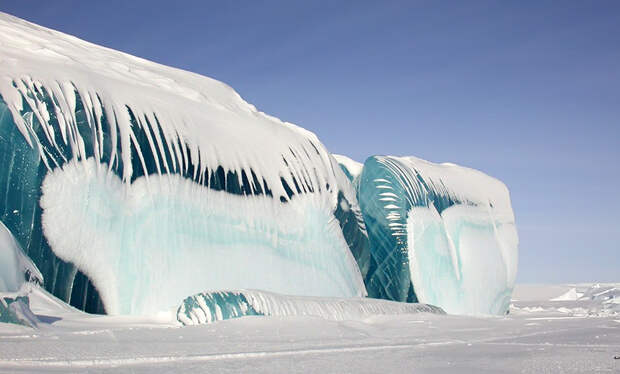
(439, 234)
(148, 183)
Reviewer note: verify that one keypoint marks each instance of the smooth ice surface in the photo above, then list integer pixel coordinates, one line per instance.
(538, 336)
(11, 278)
(15, 266)
(148, 244)
(221, 305)
(440, 234)
(67, 102)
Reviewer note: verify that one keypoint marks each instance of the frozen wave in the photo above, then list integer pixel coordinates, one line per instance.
(439, 234)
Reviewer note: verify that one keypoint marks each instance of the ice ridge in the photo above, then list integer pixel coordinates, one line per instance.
(208, 307)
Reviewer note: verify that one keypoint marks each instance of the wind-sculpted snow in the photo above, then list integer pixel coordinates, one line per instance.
(439, 234)
(120, 132)
(214, 306)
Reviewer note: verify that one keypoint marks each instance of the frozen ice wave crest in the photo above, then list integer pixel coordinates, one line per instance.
(439, 234)
(65, 102)
(214, 306)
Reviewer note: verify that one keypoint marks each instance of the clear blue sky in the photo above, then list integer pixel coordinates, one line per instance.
(526, 91)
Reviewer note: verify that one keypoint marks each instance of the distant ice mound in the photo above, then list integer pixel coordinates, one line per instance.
(439, 234)
(577, 300)
(592, 300)
(570, 295)
(215, 306)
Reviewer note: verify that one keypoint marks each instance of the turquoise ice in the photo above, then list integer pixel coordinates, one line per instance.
(439, 234)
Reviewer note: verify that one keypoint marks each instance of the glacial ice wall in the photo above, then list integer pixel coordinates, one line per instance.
(122, 132)
(208, 307)
(439, 234)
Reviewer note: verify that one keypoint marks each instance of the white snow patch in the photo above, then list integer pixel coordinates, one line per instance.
(353, 167)
(571, 295)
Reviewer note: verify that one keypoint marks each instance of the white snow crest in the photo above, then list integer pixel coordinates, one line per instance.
(197, 116)
(447, 179)
(353, 167)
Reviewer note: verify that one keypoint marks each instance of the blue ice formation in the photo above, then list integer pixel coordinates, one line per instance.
(132, 185)
(208, 307)
(439, 234)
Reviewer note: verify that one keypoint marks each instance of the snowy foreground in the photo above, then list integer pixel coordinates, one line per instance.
(578, 332)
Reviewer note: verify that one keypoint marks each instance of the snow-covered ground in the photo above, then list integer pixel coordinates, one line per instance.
(580, 332)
